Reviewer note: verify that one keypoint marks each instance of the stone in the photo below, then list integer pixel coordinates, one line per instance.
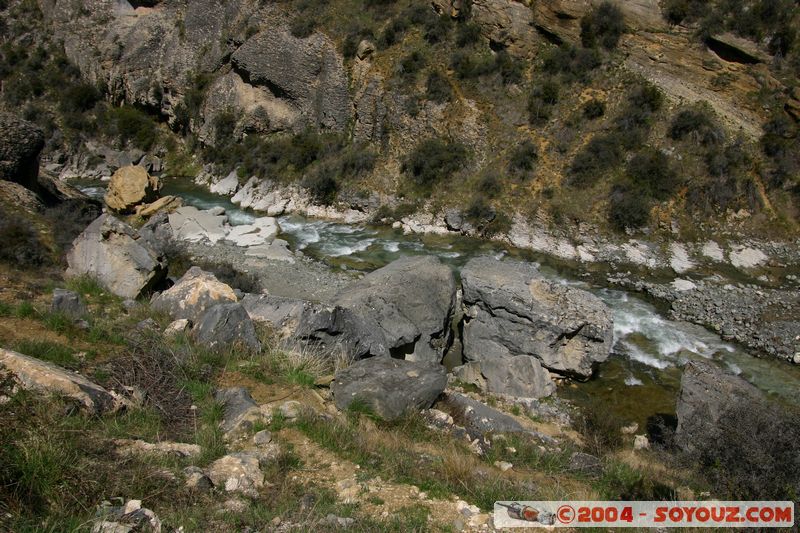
(240, 410)
(706, 393)
(131, 186)
(178, 327)
(290, 410)
(504, 466)
(48, 378)
(227, 185)
(167, 204)
(281, 314)
(307, 73)
(20, 144)
(402, 310)
(130, 516)
(511, 310)
(127, 447)
(68, 303)
(277, 250)
(226, 325)
(262, 438)
(237, 472)
(193, 294)
(191, 224)
(641, 442)
(478, 418)
(585, 463)
(521, 376)
(262, 231)
(744, 258)
(111, 252)
(390, 387)
(365, 49)
(196, 479)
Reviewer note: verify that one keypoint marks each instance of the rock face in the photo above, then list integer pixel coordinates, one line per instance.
(227, 325)
(706, 392)
(522, 376)
(402, 310)
(129, 187)
(307, 73)
(193, 294)
(510, 310)
(113, 253)
(20, 144)
(46, 377)
(390, 387)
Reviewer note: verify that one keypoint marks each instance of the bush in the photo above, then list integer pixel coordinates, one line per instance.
(467, 34)
(438, 88)
(571, 63)
(130, 125)
(752, 455)
(594, 109)
(603, 25)
(412, 64)
(546, 91)
(601, 154)
(323, 184)
(79, 98)
(357, 161)
(698, 124)
(510, 68)
(302, 26)
(650, 171)
(628, 208)
(21, 243)
(433, 160)
(600, 429)
(469, 64)
(524, 157)
(490, 185)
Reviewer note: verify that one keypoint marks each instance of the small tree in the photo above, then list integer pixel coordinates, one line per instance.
(603, 25)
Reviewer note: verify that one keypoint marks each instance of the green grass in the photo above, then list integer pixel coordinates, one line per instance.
(25, 310)
(49, 351)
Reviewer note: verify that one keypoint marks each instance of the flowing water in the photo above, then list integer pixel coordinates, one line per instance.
(642, 376)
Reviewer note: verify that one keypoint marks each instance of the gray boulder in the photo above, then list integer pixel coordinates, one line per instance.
(114, 254)
(308, 73)
(706, 393)
(390, 387)
(511, 310)
(20, 144)
(68, 303)
(227, 325)
(478, 418)
(47, 378)
(282, 314)
(193, 294)
(522, 376)
(402, 310)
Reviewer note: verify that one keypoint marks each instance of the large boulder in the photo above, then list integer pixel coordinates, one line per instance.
(478, 418)
(193, 294)
(707, 392)
(129, 187)
(281, 314)
(307, 73)
(227, 325)
(511, 310)
(20, 144)
(45, 377)
(191, 224)
(402, 310)
(113, 253)
(390, 387)
(522, 376)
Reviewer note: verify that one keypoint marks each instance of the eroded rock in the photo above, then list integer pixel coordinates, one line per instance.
(193, 294)
(131, 186)
(226, 325)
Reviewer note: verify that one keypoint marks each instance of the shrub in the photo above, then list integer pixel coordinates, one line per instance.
(650, 171)
(594, 109)
(469, 64)
(302, 26)
(490, 185)
(433, 160)
(21, 243)
(79, 98)
(323, 184)
(438, 88)
(510, 68)
(603, 25)
(601, 154)
(698, 124)
(524, 157)
(412, 64)
(546, 91)
(467, 34)
(130, 125)
(628, 208)
(358, 160)
(600, 429)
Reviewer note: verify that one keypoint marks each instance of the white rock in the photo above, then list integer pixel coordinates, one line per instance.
(679, 258)
(227, 185)
(503, 465)
(190, 224)
(640, 442)
(712, 250)
(683, 285)
(741, 257)
(262, 231)
(177, 327)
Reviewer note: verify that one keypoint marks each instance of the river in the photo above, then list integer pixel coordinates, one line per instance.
(640, 379)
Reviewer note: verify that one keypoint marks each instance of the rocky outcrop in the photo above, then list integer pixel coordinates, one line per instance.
(113, 253)
(227, 325)
(522, 376)
(307, 73)
(507, 23)
(129, 187)
(193, 294)
(389, 387)
(706, 394)
(402, 310)
(511, 310)
(48, 378)
(20, 144)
